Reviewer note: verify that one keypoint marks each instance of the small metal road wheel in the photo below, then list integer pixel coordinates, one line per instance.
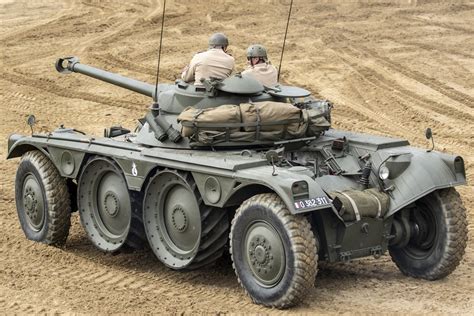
(181, 230)
(104, 204)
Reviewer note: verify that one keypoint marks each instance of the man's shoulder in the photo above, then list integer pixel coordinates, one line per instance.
(220, 53)
(231, 57)
(267, 67)
(248, 70)
(200, 54)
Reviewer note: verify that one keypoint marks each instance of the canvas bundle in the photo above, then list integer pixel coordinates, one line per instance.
(249, 122)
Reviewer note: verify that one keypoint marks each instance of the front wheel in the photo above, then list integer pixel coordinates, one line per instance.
(273, 252)
(437, 227)
(42, 200)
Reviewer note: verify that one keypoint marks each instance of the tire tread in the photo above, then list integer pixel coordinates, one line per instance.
(456, 239)
(303, 245)
(57, 197)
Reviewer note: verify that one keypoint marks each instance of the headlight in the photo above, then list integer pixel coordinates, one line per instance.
(384, 173)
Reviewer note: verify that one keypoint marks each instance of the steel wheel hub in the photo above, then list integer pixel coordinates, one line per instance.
(424, 228)
(265, 253)
(33, 203)
(179, 219)
(111, 204)
(30, 202)
(261, 254)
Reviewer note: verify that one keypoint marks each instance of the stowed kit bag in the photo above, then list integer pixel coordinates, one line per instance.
(248, 122)
(317, 122)
(216, 119)
(274, 116)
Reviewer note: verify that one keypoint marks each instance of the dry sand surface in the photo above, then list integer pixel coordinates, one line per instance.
(390, 69)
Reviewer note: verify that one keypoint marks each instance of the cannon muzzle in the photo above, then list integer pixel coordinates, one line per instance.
(71, 64)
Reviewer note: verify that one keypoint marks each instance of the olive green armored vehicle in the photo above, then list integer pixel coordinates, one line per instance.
(280, 199)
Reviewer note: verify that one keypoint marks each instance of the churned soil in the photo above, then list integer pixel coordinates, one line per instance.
(392, 68)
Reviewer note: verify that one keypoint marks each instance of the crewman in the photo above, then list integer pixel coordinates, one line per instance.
(215, 62)
(259, 66)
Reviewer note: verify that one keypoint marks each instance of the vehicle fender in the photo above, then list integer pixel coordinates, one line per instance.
(136, 171)
(223, 191)
(20, 144)
(427, 172)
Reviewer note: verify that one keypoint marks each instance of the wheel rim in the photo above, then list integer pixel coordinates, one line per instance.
(264, 253)
(424, 232)
(112, 204)
(33, 202)
(105, 205)
(172, 219)
(180, 212)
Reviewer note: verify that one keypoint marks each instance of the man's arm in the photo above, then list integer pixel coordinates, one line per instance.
(188, 72)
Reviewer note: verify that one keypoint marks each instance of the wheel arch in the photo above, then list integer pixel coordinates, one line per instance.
(17, 147)
(243, 192)
(427, 172)
(233, 191)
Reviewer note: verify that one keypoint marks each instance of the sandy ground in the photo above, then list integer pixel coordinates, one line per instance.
(391, 69)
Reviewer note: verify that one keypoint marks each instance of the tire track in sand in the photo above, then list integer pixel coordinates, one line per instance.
(137, 273)
(465, 101)
(425, 109)
(54, 88)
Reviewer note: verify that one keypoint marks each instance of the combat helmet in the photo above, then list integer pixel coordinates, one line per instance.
(257, 50)
(218, 40)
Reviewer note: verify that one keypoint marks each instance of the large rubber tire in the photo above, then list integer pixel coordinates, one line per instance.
(42, 200)
(274, 253)
(136, 238)
(214, 238)
(437, 251)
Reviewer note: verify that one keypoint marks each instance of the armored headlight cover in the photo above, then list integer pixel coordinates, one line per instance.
(300, 189)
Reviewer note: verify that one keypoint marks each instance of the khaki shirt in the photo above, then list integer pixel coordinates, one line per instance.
(212, 63)
(264, 72)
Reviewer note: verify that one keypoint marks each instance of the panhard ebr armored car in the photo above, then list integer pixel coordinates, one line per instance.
(232, 166)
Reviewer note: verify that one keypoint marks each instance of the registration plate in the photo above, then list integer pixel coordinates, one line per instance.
(313, 202)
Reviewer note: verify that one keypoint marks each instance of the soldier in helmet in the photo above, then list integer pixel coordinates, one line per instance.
(214, 62)
(259, 66)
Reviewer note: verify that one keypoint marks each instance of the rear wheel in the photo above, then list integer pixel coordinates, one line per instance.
(273, 252)
(437, 227)
(42, 200)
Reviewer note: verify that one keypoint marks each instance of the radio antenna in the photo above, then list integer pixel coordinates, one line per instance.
(159, 52)
(284, 41)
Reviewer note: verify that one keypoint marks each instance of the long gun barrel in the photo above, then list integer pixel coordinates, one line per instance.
(71, 64)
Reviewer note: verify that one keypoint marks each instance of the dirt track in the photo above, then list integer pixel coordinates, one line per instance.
(390, 70)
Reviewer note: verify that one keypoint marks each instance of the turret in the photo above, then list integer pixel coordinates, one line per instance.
(161, 125)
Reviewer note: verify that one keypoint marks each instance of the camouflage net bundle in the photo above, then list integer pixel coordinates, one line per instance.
(252, 122)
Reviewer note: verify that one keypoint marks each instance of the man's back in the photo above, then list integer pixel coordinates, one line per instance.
(265, 73)
(211, 63)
